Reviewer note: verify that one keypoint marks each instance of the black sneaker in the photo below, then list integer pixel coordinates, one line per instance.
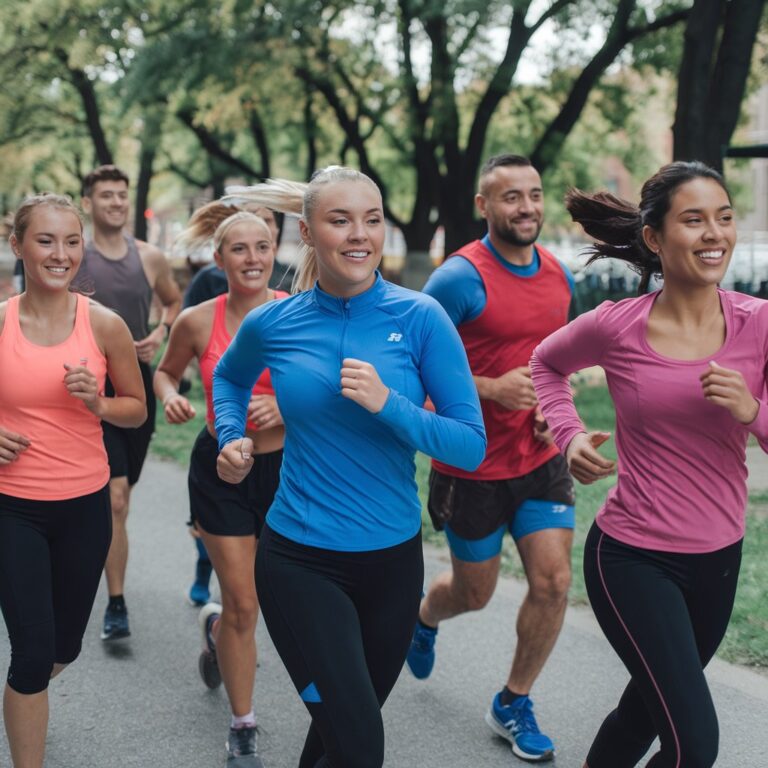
(242, 750)
(208, 664)
(115, 623)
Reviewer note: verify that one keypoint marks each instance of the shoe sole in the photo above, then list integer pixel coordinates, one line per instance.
(196, 603)
(208, 610)
(418, 677)
(209, 670)
(245, 761)
(502, 732)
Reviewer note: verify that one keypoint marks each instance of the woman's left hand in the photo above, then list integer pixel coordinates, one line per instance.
(82, 384)
(361, 383)
(263, 411)
(728, 389)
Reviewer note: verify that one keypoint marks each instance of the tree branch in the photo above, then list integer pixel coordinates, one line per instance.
(85, 88)
(550, 13)
(349, 126)
(661, 23)
(498, 87)
(211, 145)
(171, 166)
(619, 35)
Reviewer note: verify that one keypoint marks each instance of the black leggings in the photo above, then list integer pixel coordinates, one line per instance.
(342, 623)
(665, 614)
(52, 554)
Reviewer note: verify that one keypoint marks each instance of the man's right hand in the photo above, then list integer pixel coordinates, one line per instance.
(514, 390)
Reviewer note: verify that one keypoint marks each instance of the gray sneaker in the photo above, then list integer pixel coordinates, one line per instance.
(207, 663)
(242, 750)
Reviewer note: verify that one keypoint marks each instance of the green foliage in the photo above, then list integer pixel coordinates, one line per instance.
(412, 91)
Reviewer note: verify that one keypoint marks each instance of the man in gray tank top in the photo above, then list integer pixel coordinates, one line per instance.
(123, 273)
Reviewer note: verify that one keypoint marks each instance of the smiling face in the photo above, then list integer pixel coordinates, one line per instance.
(512, 202)
(107, 205)
(346, 229)
(247, 255)
(51, 247)
(697, 236)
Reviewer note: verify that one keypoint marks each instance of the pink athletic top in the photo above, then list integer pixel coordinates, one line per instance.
(66, 458)
(217, 344)
(681, 459)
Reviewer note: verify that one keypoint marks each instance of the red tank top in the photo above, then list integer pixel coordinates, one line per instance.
(519, 313)
(217, 343)
(66, 458)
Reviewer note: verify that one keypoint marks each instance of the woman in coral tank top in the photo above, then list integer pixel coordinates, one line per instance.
(229, 517)
(56, 347)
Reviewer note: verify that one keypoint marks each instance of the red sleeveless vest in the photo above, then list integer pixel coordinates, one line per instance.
(519, 313)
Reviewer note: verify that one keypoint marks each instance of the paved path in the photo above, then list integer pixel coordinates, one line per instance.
(141, 705)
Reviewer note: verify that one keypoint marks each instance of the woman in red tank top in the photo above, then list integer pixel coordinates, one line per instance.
(56, 347)
(229, 517)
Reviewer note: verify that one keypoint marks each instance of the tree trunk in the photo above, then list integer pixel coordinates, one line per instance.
(729, 80)
(262, 143)
(694, 79)
(713, 78)
(418, 267)
(142, 190)
(458, 215)
(310, 131)
(150, 137)
(87, 93)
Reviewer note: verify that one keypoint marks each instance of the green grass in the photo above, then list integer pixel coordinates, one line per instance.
(747, 639)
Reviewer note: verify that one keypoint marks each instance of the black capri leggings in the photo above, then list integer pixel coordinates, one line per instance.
(52, 554)
(342, 623)
(665, 614)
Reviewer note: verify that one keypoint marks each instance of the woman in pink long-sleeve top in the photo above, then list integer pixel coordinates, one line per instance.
(686, 368)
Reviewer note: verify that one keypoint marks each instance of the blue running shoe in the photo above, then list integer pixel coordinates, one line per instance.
(517, 724)
(199, 592)
(421, 654)
(115, 623)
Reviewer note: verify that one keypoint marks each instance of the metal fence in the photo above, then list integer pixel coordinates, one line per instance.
(611, 279)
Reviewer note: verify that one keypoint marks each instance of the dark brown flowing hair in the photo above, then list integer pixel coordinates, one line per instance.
(617, 225)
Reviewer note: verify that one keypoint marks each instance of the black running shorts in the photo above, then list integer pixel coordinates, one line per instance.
(224, 509)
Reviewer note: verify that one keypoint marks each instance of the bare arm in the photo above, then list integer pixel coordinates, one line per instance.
(11, 443)
(512, 390)
(183, 345)
(158, 270)
(128, 407)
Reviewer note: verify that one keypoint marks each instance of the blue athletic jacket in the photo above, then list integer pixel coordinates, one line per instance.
(347, 479)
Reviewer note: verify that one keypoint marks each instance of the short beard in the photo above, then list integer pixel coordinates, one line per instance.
(509, 236)
(107, 227)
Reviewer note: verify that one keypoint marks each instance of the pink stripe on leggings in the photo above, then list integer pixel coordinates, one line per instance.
(642, 658)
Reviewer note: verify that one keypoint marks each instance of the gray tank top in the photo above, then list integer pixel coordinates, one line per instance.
(119, 284)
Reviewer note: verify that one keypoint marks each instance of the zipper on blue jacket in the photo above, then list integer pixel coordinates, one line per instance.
(344, 323)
